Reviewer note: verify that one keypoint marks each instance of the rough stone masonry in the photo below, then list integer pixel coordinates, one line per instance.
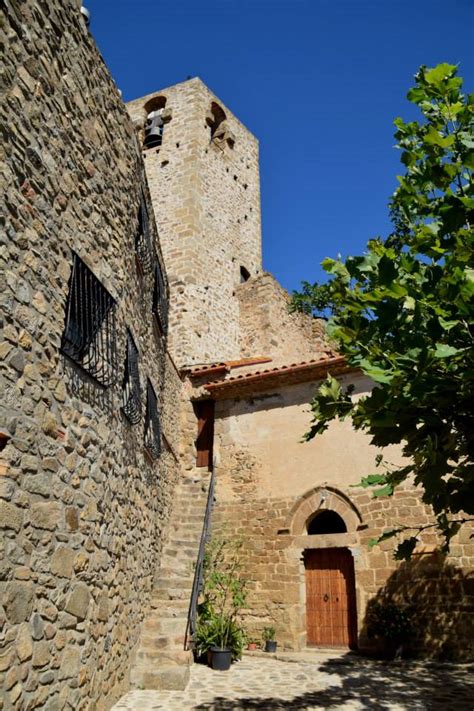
(82, 506)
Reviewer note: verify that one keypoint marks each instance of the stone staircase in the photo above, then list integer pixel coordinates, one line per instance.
(161, 662)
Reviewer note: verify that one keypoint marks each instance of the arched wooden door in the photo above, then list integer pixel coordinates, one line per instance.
(330, 598)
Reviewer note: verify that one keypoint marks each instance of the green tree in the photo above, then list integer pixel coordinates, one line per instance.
(403, 314)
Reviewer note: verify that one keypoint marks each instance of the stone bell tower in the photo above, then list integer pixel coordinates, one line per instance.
(203, 174)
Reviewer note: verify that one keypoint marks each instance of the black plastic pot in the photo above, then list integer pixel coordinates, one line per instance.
(221, 658)
(270, 645)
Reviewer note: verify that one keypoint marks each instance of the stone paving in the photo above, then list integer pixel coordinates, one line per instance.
(316, 681)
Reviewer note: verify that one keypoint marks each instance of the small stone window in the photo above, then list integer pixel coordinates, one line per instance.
(89, 336)
(143, 240)
(156, 117)
(216, 119)
(152, 438)
(244, 274)
(326, 522)
(131, 391)
(160, 300)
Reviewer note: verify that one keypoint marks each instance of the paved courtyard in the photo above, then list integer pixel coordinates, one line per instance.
(316, 681)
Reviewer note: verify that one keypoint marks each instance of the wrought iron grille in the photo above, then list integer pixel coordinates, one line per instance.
(160, 299)
(89, 338)
(132, 396)
(152, 424)
(143, 241)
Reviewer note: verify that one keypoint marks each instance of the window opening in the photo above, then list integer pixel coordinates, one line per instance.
(132, 397)
(155, 121)
(244, 274)
(89, 336)
(204, 410)
(152, 438)
(326, 522)
(143, 241)
(160, 300)
(217, 121)
(215, 118)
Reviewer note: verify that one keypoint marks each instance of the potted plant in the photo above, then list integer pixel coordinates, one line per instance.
(253, 645)
(219, 633)
(390, 626)
(269, 639)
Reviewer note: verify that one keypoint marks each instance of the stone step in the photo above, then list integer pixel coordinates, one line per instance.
(187, 549)
(187, 528)
(169, 607)
(175, 551)
(169, 611)
(172, 677)
(176, 569)
(169, 581)
(174, 593)
(164, 656)
(164, 625)
(154, 643)
(185, 541)
(191, 517)
(191, 498)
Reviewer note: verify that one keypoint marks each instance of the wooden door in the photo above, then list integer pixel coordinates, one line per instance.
(330, 598)
(204, 410)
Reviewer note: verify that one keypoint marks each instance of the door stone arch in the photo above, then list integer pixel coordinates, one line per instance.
(319, 499)
(340, 552)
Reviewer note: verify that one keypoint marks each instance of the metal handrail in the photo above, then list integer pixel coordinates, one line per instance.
(199, 570)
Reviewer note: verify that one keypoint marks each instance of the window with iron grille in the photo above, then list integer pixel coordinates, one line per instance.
(152, 423)
(131, 392)
(143, 241)
(160, 299)
(89, 338)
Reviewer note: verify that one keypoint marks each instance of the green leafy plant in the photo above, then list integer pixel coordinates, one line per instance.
(403, 313)
(224, 596)
(268, 634)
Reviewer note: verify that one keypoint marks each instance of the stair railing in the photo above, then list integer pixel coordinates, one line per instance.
(199, 570)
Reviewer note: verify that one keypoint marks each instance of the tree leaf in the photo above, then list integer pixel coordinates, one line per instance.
(442, 71)
(443, 350)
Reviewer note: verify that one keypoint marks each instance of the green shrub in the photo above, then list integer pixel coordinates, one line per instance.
(224, 596)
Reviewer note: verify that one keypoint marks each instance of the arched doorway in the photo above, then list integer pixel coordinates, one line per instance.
(330, 598)
(324, 524)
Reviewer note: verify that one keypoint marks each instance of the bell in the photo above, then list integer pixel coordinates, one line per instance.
(153, 130)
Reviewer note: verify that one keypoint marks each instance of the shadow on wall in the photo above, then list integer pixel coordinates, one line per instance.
(439, 601)
(353, 682)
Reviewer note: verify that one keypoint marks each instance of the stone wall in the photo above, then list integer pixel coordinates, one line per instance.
(206, 195)
(437, 589)
(269, 484)
(267, 328)
(82, 506)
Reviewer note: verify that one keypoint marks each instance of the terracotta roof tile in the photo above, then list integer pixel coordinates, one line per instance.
(225, 366)
(285, 374)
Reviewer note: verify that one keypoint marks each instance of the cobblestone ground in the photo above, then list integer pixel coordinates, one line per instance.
(316, 681)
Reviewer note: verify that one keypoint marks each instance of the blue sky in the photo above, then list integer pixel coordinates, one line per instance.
(319, 82)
